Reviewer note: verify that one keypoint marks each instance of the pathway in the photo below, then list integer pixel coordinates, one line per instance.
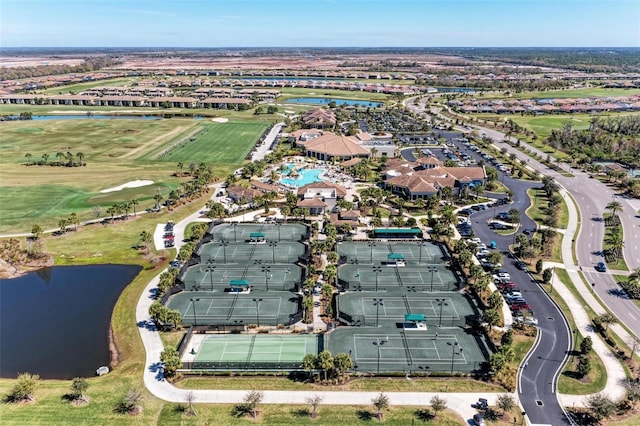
(615, 373)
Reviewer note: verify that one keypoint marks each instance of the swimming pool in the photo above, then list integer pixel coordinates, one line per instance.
(306, 176)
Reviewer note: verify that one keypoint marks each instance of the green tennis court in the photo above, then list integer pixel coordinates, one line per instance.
(241, 232)
(447, 310)
(249, 351)
(377, 252)
(260, 308)
(426, 278)
(269, 252)
(256, 347)
(374, 350)
(217, 277)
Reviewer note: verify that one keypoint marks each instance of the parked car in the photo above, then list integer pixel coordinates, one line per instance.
(478, 420)
(526, 320)
(521, 265)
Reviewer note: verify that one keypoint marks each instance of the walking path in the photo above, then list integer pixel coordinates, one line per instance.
(615, 373)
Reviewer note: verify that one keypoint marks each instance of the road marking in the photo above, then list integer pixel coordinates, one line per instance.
(634, 318)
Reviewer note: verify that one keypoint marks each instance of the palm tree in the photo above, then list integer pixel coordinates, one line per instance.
(330, 273)
(37, 231)
(134, 203)
(614, 207)
(309, 363)
(73, 219)
(635, 275)
(126, 206)
(80, 156)
(325, 362)
(617, 243)
(342, 363)
(158, 199)
(28, 156)
(62, 224)
(45, 158)
(307, 305)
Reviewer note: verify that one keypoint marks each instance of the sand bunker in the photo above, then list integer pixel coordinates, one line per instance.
(132, 184)
(220, 119)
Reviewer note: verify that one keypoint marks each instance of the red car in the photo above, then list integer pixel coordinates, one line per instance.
(507, 286)
(519, 306)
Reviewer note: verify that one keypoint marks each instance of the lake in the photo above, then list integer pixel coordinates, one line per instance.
(55, 322)
(326, 101)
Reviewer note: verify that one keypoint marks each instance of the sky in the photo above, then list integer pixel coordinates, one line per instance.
(319, 23)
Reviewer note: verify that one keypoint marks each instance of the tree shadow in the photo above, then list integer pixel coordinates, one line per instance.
(240, 410)
(491, 414)
(365, 415)
(618, 292)
(424, 415)
(301, 412)
(149, 325)
(572, 375)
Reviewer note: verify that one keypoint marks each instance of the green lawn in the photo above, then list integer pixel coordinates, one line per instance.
(211, 143)
(339, 415)
(597, 378)
(115, 152)
(80, 87)
(590, 92)
(418, 384)
(538, 205)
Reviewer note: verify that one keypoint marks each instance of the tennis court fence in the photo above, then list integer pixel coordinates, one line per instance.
(241, 365)
(372, 321)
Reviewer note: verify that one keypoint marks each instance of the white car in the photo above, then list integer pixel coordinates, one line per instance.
(527, 320)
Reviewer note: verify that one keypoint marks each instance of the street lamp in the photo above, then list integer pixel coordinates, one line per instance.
(210, 269)
(431, 269)
(195, 317)
(371, 246)
(377, 270)
(266, 270)
(224, 245)
(235, 235)
(379, 343)
(420, 245)
(278, 225)
(453, 353)
(258, 310)
(377, 303)
(441, 303)
(273, 245)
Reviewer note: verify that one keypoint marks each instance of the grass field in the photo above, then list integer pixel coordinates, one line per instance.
(211, 143)
(115, 152)
(591, 92)
(79, 87)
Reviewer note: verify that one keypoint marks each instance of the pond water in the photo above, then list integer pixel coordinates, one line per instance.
(55, 322)
(326, 101)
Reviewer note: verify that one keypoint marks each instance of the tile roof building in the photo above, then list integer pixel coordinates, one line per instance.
(413, 181)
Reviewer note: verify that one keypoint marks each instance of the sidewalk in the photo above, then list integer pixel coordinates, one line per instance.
(615, 373)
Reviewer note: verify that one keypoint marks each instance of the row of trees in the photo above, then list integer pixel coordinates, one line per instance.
(163, 315)
(332, 367)
(64, 159)
(614, 138)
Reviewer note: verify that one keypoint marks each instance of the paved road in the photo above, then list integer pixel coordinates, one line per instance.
(537, 382)
(592, 196)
